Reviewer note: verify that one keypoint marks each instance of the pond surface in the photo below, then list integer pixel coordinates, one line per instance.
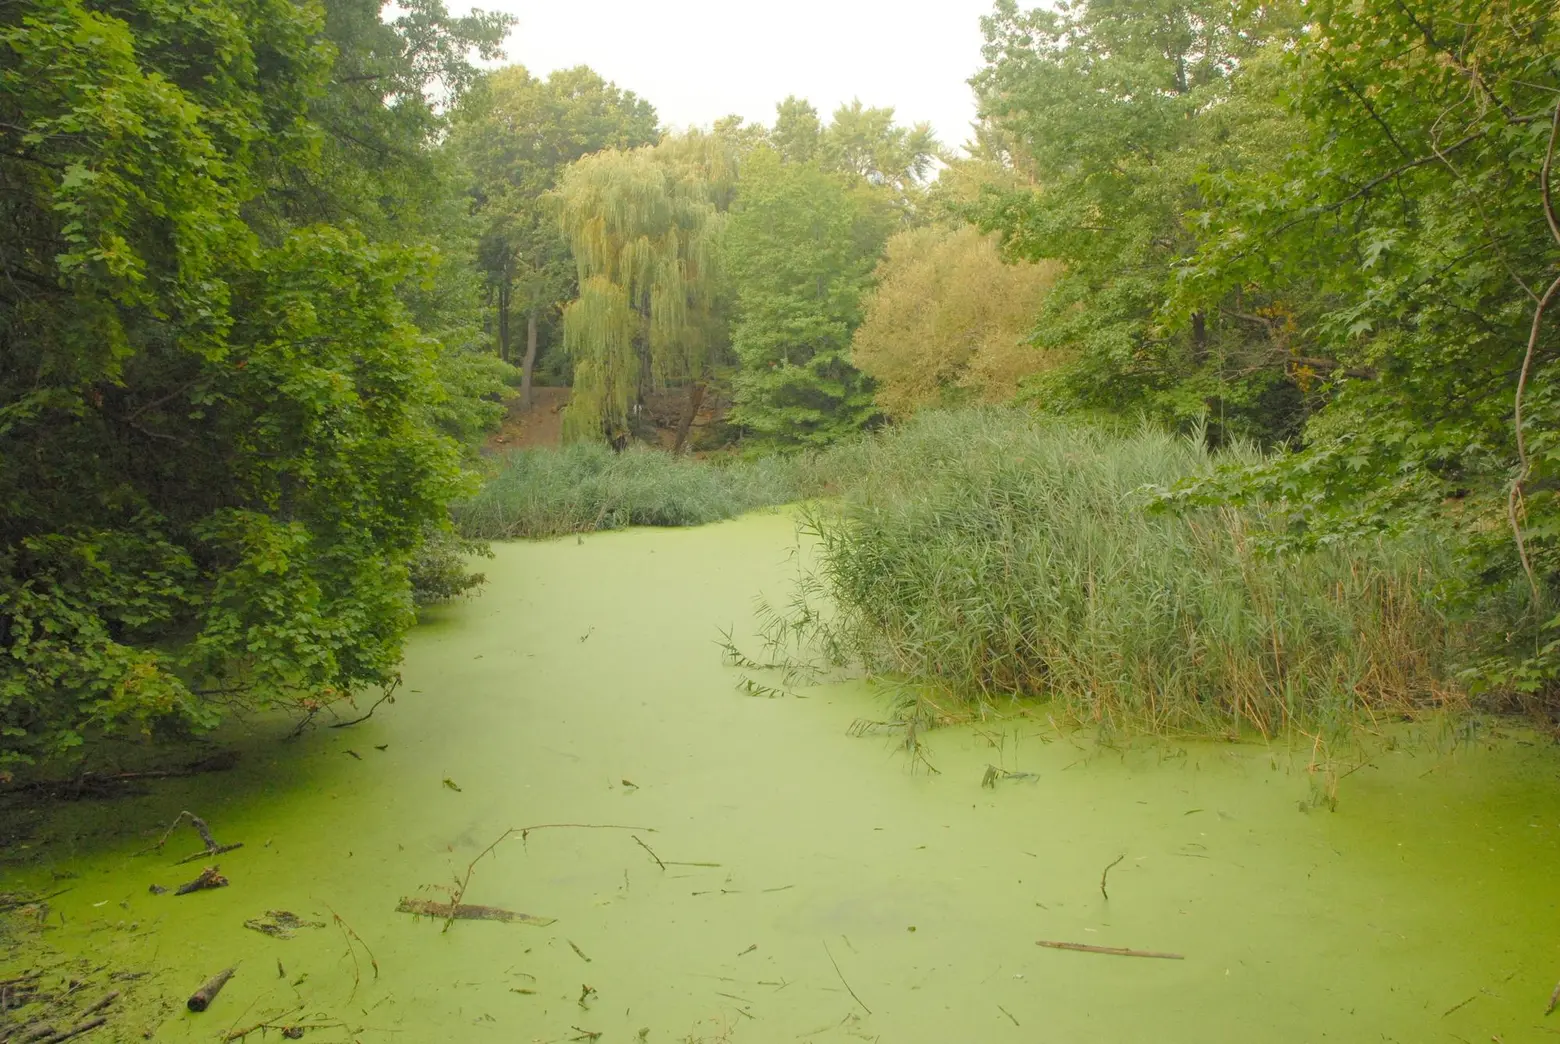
(853, 898)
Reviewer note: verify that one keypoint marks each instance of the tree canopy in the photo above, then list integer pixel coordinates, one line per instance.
(220, 440)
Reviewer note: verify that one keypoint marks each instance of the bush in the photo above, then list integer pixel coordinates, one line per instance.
(988, 553)
(439, 572)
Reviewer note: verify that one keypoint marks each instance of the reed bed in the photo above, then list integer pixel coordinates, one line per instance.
(585, 487)
(987, 554)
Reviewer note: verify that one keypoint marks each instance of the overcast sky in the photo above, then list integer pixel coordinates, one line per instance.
(698, 60)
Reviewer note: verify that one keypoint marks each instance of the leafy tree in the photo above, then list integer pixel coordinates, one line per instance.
(1415, 222)
(1120, 113)
(643, 227)
(516, 133)
(218, 441)
(948, 321)
(800, 250)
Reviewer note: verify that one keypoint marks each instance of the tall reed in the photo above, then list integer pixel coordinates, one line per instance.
(988, 553)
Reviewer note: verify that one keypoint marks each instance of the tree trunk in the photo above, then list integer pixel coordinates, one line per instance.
(503, 323)
(695, 398)
(530, 359)
(1199, 338)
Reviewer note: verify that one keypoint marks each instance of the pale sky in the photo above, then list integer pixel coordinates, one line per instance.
(698, 60)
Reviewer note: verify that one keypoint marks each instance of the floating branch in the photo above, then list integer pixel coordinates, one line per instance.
(524, 832)
(1114, 951)
(468, 912)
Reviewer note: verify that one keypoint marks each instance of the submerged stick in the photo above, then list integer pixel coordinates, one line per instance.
(1106, 872)
(841, 974)
(647, 848)
(1114, 951)
(201, 999)
(388, 697)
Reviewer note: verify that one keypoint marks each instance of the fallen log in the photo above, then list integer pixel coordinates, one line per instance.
(209, 878)
(201, 999)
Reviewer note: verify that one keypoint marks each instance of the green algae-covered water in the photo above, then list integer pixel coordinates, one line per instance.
(849, 898)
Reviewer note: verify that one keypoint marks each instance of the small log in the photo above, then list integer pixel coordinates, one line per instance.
(201, 999)
(1114, 951)
(209, 878)
(76, 1030)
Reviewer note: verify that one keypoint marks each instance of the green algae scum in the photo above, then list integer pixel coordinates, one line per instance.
(744, 869)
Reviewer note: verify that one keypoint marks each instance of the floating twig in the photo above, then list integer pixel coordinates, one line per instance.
(749, 950)
(201, 999)
(841, 974)
(1106, 872)
(577, 950)
(1009, 1014)
(352, 936)
(647, 848)
(1114, 951)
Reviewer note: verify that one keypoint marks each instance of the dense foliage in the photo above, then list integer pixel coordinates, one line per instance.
(514, 135)
(220, 422)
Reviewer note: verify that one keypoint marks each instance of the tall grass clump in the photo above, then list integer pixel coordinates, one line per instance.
(989, 553)
(587, 486)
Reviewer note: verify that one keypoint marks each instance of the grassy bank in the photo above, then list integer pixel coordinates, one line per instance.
(987, 554)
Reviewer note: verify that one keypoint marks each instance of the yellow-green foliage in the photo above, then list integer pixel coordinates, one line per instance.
(948, 321)
(642, 226)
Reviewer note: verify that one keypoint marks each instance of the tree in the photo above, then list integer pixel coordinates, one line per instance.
(218, 445)
(948, 321)
(1416, 216)
(800, 250)
(643, 226)
(1121, 114)
(516, 134)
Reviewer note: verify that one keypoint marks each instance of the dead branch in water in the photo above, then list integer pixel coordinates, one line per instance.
(388, 697)
(841, 974)
(212, 847)
(468, 912)
(1114, 951)
(524, 832)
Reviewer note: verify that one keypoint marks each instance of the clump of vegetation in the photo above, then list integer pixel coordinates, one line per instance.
(586, 486)
(988, 553)
(440, 572)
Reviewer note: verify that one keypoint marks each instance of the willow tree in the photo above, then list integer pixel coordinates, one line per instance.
(643, 226)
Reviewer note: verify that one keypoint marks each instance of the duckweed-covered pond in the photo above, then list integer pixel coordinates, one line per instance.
(814, 888)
